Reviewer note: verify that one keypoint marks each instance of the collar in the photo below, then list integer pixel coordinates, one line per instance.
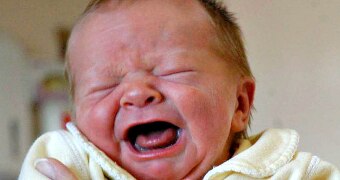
(110, 168)
(259, 156)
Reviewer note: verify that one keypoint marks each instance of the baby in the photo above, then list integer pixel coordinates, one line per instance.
(163, 90)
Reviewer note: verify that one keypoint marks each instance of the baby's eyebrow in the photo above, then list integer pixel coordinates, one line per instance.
(161, 54)
(116, 72)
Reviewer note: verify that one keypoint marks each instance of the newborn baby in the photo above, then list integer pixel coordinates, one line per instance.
(163, 90)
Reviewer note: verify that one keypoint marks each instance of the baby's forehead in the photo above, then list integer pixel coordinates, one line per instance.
(150, 39)
(135, 17)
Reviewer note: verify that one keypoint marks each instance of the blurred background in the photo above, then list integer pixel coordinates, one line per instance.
(293, 48)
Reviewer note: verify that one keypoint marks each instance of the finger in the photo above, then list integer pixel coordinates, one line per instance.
(54, 169)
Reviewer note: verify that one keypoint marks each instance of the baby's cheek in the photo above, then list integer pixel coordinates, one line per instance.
(199, 106)
(196, 108)
(207, 115)
(96, 122)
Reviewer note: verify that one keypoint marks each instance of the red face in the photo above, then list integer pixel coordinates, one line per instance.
(151, 90)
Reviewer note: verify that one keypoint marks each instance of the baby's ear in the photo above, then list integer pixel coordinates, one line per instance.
(245, 96)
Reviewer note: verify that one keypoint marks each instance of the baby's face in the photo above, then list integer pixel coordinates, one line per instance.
(151, 90)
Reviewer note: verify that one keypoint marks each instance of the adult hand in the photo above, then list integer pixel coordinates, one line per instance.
(54, 169)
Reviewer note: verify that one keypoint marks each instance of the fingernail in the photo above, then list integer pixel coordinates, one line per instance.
(44, 167)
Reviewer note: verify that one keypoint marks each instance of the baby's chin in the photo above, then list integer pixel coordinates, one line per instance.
(159, 173)
(166, 172)
(162, 168)
(185, 166)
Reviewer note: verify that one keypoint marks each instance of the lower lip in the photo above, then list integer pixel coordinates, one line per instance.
(159, 153)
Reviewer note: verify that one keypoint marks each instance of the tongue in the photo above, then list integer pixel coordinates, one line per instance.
(156, 139)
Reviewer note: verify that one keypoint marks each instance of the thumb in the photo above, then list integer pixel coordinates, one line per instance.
(54, 169)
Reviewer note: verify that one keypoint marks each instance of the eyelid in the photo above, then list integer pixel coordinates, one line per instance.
(107, 86)
(102, 88)
(173, 72)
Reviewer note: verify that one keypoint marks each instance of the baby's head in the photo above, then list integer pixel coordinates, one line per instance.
(162, 87)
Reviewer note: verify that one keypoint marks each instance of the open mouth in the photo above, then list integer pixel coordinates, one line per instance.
(153, 136)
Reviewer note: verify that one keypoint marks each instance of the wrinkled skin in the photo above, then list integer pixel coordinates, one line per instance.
(145, 61)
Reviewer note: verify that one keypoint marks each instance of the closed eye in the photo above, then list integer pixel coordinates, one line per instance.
(101, 89)
(182, 77)
(177, 72)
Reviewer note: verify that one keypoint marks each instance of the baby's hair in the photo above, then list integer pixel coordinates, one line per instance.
(231, 44)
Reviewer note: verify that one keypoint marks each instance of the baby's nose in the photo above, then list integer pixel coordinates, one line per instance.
(140, 95)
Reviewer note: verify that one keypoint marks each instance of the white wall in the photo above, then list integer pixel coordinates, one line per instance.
(19, 79)
(294, 50)
(15, 121)
(35, 23)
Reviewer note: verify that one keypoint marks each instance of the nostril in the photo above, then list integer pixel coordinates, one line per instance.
(128, 104)
(150, 100)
